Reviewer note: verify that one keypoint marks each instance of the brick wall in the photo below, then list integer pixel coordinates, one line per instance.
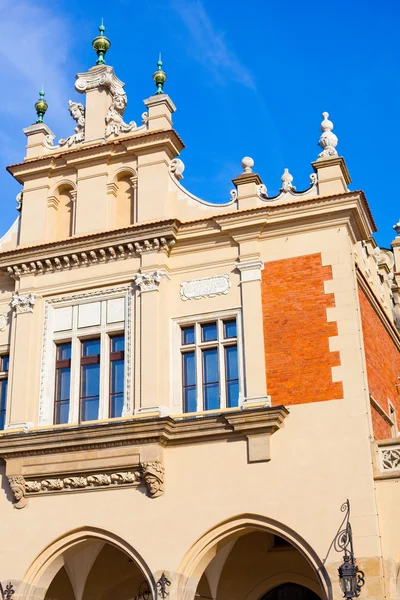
(383, 366)
(296, 331)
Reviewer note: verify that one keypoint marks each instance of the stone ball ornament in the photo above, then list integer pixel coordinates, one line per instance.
(247, 164)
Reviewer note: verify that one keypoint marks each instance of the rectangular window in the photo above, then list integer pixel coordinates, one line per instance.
(210, 368)
(117, 377)
(4, 361)
(63, 383)
(90, 379)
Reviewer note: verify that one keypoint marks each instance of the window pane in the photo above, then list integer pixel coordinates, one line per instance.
(64, 351)
(188, 335)
(90, 347)
(117, 376)
(230, 329)
(232, 392)
(231, 362)
(62, 412)
(3, 394)
(190, 399)
(3, 399)
(90, 380)
(90, 409)
(117, 405)
(117, 343)
(211, 396)
(189, 369)
(4, 363)
(63, 387)
(210, 365)
(208, 332)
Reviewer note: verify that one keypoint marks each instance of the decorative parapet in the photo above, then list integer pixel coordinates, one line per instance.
(69, 260)
(387, 458)
(23, 304)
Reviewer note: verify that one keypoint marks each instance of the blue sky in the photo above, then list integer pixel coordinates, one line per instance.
(247, 79)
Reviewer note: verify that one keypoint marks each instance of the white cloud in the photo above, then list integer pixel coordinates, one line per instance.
(33, 51)
(210, 46)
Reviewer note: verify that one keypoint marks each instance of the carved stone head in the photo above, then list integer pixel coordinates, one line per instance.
(17, 485)
(153, 475)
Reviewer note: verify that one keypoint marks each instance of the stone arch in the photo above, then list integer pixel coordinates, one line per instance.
(61, 210)
(285, 577)
(46, 565)
(123, 191)
(205, 548)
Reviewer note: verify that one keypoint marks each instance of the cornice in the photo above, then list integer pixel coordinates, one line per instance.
(166, 431)
(89, 249)
(376, 305)
(100, 150)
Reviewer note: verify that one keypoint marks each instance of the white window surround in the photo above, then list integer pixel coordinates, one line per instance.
(75, 334)
(176, 357)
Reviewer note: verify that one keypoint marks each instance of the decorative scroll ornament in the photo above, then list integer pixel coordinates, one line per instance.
(17, 485)
(148, 282)
(8, 592)
(163, 584)
(18, 199)
(205, 287)
(328, 140)
(77, 112)
(287, 179)
(153, 475)
(23, 304)
(262, 191)
(115, 124)
(177, 167)
(144, 592)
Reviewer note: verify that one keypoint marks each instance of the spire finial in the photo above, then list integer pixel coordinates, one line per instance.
(41, 106)
(287, 179)
(101, 44)
(160, 77)
(328, 140)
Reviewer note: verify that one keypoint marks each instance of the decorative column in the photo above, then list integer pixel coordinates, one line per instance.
(151, 337)
(253, 339)
(21, 361)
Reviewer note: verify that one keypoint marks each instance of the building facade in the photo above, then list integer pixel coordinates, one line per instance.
(190, 392)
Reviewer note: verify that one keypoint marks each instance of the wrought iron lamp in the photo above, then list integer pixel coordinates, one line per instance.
(351, 578)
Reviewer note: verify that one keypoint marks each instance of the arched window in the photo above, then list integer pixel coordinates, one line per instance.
(65, 213)
(125, 201)
(290, 591)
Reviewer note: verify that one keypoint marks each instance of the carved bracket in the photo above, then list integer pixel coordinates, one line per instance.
(23, 304)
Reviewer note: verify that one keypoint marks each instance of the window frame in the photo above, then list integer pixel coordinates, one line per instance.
(4, 376)
(179, 349)
(76, 335)
(61, 364)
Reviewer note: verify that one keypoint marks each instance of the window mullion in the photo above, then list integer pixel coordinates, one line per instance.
(199, 370)
(105, 348)
(222, 375)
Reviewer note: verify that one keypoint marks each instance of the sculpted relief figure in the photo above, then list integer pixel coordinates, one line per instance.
(77, 112)
(153, 475)
(17, 485)
(115, 124)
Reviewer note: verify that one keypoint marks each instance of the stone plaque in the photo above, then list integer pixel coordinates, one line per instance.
(206, 287)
